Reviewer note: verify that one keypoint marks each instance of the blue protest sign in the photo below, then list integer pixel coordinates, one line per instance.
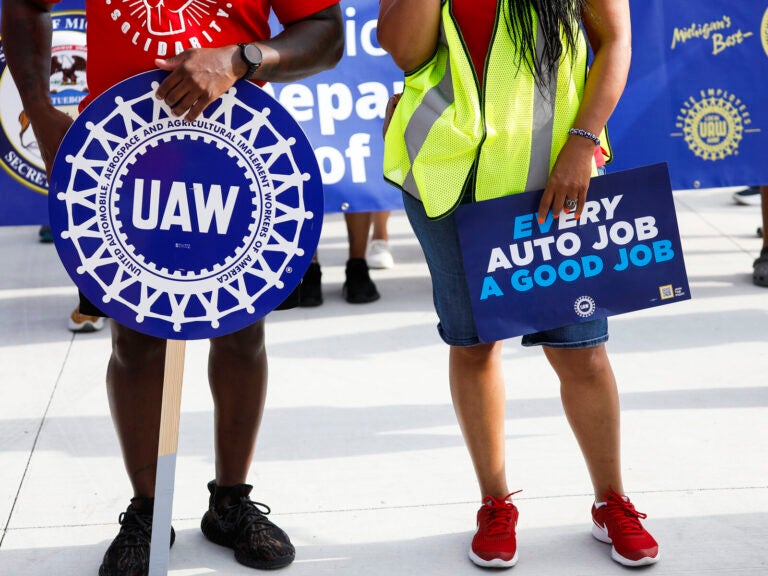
(185, 230)
(623, 254)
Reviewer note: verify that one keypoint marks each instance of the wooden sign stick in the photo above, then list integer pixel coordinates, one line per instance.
(166, 457)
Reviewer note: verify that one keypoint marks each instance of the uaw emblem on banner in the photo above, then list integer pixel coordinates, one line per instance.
(185, 230)
(764, 31)
(19, 154)
(714, 123)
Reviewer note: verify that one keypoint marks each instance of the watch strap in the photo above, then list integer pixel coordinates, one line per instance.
(252, 66)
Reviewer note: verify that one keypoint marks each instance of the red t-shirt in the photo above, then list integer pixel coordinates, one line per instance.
(125, 37)
(475, 19)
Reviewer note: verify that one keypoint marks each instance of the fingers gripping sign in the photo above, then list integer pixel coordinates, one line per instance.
(568, 181)
(197, 77)
(563, 194)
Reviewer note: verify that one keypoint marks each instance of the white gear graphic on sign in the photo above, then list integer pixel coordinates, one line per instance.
(257, 260)
(584, 306)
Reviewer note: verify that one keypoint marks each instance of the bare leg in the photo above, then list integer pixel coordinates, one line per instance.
(477, 388)
(380, 225)
(135, 391)
(358, 225)
(237, 371)
(591, 403)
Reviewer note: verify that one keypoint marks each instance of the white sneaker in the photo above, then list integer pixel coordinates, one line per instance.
(748, 197)
(378, 255)
(83, 323)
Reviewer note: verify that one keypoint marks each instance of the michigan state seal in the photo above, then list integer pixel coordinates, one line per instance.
(19, 154)
(185, 230)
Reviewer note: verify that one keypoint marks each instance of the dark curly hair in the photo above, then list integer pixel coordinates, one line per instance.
(559, 20)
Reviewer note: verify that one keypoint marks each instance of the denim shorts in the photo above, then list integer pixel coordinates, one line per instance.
(439, 240)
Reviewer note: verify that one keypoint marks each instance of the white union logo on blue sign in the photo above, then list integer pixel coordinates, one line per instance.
(185, 230)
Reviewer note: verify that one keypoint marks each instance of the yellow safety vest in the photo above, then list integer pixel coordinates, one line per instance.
(448, 135)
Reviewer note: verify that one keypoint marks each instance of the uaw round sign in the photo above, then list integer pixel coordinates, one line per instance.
(185, 230)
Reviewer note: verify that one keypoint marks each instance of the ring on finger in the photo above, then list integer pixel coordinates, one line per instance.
(571, 203)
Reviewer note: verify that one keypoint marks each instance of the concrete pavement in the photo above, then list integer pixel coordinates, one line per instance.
(360, 456)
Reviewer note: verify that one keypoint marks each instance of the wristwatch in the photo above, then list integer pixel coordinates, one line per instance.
(251, 55)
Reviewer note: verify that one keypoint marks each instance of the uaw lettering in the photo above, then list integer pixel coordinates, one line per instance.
(185, 208)
(525, 276)
(721, 33)
(186, 229)
(713, 123)
(529, 258)
(19, 154)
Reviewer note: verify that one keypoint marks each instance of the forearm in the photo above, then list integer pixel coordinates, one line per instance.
(605, 84)
(27, 45)
(408, 30)
(304, 48)
(608, 28)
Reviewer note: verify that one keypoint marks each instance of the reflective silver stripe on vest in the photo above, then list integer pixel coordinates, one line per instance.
(544, 97)
(434, 103)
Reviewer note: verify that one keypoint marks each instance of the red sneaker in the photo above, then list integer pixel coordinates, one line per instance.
(618, 523)
(494, 544)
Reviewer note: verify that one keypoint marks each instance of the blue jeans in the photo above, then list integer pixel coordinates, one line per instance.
(439, 240)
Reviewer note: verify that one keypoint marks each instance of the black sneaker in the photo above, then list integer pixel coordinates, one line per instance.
(311, 293)
(292, 301)
(128, 555)
(308, 293)
(760, 273)
(235, 521)
(359, 288)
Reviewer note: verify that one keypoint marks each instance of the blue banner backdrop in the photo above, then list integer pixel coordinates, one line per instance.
(342, 112)
(697, 95)
(623, 254)
(697, 98)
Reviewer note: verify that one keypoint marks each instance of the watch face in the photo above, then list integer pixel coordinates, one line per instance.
(252, 54)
